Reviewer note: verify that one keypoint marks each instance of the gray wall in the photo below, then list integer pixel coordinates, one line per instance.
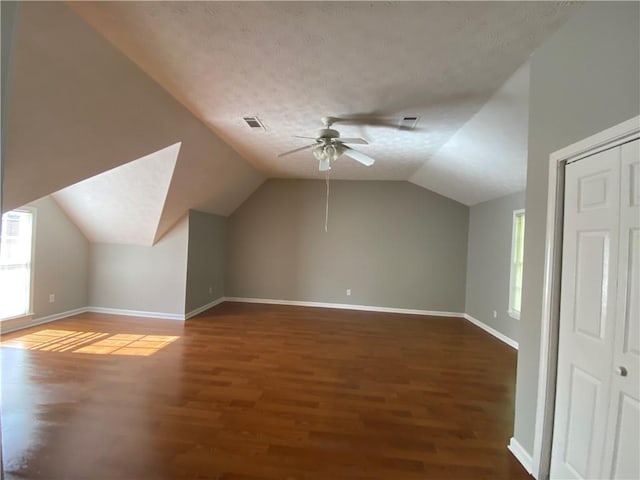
(584, 79)
(61, 261)
(9, 14)
(60, 264)
(148, 279)
(489, 262)
(206, 259)
(393, 244)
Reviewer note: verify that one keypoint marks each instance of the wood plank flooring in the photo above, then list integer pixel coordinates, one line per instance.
(257, 392)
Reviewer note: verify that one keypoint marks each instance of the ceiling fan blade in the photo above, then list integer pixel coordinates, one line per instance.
(308, 138)
(360, 141)
(358, 156)
(297, 150)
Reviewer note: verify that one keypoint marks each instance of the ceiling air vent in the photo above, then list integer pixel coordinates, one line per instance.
(408, 123)
(254, 122)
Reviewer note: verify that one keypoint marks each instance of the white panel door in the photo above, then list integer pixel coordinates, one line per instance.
(587, 315)
(622, 455)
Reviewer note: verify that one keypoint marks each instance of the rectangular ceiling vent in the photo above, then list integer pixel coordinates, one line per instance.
(408, 123)
(254, 122)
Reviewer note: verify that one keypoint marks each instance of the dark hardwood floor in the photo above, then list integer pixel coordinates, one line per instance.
(258, 392)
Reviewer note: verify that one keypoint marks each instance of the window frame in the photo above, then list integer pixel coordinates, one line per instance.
(513, 264)
(33, 211)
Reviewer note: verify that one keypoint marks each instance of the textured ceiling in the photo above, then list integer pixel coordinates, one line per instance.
(122, 205)
(490, 149)
(291, 63)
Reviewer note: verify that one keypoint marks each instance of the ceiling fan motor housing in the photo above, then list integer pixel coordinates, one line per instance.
(327, 133)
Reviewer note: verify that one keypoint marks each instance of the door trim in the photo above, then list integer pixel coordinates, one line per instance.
(609, 138)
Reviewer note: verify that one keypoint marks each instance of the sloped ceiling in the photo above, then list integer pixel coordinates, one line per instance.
(292, 63)
(122, 205)
(491, 149)
(122, 80)
(79, 107)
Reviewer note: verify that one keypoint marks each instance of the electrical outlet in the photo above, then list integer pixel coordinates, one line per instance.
(52, 297)
(495, 314)
(348, 292)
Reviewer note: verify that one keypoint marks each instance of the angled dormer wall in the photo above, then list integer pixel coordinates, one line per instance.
(141, 280)
(206, 261)
(80, 107)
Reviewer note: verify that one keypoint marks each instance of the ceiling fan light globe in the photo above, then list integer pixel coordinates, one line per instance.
(318, 152)
(331, 152)
(325, 165)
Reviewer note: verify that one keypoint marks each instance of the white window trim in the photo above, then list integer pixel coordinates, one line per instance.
(34, 227)
(512, 277)
(29, 314)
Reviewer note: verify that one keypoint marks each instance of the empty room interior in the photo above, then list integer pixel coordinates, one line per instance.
(320, 240)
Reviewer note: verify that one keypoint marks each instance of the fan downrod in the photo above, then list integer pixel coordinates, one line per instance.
(328, 121)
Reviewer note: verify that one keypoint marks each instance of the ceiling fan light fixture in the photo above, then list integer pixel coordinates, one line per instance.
(318, 152)
(325, 154)
(331, 152)
(325, 165)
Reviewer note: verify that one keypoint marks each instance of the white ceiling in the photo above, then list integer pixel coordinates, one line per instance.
(491, 149)
(122, 205)
(292, 63)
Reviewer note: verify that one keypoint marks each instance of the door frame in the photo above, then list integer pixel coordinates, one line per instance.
(545, 412)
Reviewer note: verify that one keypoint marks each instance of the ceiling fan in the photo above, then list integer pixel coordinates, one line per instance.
(328, 146)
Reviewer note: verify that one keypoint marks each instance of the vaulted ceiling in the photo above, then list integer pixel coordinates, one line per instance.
(99, 84)
(292, 63)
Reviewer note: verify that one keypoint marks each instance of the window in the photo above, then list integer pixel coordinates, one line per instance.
(15, 263)
(517, 254)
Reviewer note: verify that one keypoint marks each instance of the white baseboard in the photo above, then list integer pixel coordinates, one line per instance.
(19, 324)
(345, 306)
(203, 308)
(136, 313)
(11, 326)
(521, 455)
(30, 322)
(500, 336)
(369, 308)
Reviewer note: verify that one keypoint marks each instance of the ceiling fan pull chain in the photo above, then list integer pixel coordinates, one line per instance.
(326, 211)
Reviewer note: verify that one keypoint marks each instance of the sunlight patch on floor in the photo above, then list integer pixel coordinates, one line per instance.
(98, 343)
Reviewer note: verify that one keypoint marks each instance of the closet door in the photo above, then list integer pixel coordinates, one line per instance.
(622, 457)
(587, 315)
